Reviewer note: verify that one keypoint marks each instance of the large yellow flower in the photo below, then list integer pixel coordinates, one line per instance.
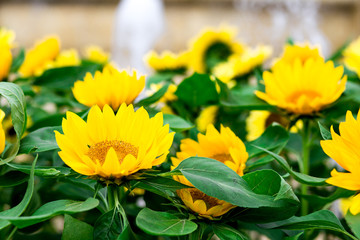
(96, 54)
(220, 42)
(344, 149)
(108, 87)
(352, 56)
(167, 61)
(300, 51)
(2, 132)
(38, 57)
(113, 146)
(303, 88)
(225, 147)
(240, 64)
(6, 42)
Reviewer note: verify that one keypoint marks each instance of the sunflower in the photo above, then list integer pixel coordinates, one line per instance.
(96, 54)
(344, 149)
(300, 51)
(241, 64)
(223, 146)
(303, 88)
(167, 61)
(7, 37)
(2, 132)
(108, 87)
(352, 56)
(6, 42)
(207, 116)
(40, 55)
(211, 47)
(110, 147)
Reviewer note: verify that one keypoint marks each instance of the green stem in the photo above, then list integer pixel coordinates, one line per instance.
(113, 196)
(12, 233)
(305, 166)
(198, 233)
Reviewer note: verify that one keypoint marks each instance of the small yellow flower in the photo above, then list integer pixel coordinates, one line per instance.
(110, 146)
(344, 149)
(346, 203)
(222, 38)
(223, 146)
(300, 51)
(96, 54)
(241, 64)
(207, 116)
(38, 57)
(108, 87)
(2, 132)
(167, 61)
(5, 61)
(7, 37)
(303, 88)
(352, 56)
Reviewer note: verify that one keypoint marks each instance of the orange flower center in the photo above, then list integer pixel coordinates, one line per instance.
(210, 202)
(99, 150)
(309, 94)
(222, 157)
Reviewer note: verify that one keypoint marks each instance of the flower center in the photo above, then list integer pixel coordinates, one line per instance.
(210, 202)
(99, 150)
(222, 157)
(309, 94)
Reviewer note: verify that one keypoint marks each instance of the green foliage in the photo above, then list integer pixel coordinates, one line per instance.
(76, 230)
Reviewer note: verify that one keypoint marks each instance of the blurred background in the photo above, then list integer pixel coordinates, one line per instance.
(130, 28)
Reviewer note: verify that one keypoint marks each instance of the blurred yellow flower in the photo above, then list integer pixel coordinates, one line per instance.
(108, 87)
(352, 56)
(167, 61)
(346, 203)
(220, 41)
(241, 64)
(344, 149)
(109, 146)
(223, 146)
(2, 132)
(300, 51)
(40, 55)
(96, 54)
(169, 96)
(7, 37)
(303, 88)
(207, 116)
(6, 43)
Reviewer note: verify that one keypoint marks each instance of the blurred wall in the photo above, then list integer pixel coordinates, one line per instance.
(80, 23)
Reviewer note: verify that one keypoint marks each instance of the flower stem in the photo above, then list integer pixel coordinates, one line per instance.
(305, 166)
(113, 197)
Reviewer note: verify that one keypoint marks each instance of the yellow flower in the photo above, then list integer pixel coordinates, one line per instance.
(207, 116)
(110, 146)
(352, 56)
(221, 40)
(303, 88)
(7, 37)
(6, 43)
(300, 51)
(167, 61)
(344, 149)
(96, 54)
(223, 146)
(169, 96)
(241, 64)
(64, 59)
(2, 132)
(346, 203)
(108, 87)
(38, 57)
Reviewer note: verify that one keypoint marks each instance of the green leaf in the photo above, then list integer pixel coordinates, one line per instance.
(354, 223)
(13, 178)
(76, 230)
(63, 78)
(300, 177)
(20, 208)
(40, 140)
(217, 180)
(163, 223)
(17, 61)
(153, 98)
(43, 171)
(225, 232)
(326, 135)
(197, 90)
(53, 209)
(323, 219)
(159, 78)
(295, 237)
(176, 123)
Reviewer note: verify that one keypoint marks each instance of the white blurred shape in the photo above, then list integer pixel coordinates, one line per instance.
(138, 24)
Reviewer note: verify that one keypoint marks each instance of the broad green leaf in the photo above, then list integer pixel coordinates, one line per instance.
(323, 219)
(17, 61)
(326, 135)
(40, 140)
(13, 178)
(300, 177)
(76, 230)
(224, 232)
(177, 123)
(217, 180)
(63, 78)
(43, 171)
(20, 208)
(153, 98)
(295, 237)
(197, 90)
(53, 209)
(354, 223)
(163, 223)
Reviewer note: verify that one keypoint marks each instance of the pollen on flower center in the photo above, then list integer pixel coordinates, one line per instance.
(309, 94)
(99, 150)
(210, 202)
(222, 157)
